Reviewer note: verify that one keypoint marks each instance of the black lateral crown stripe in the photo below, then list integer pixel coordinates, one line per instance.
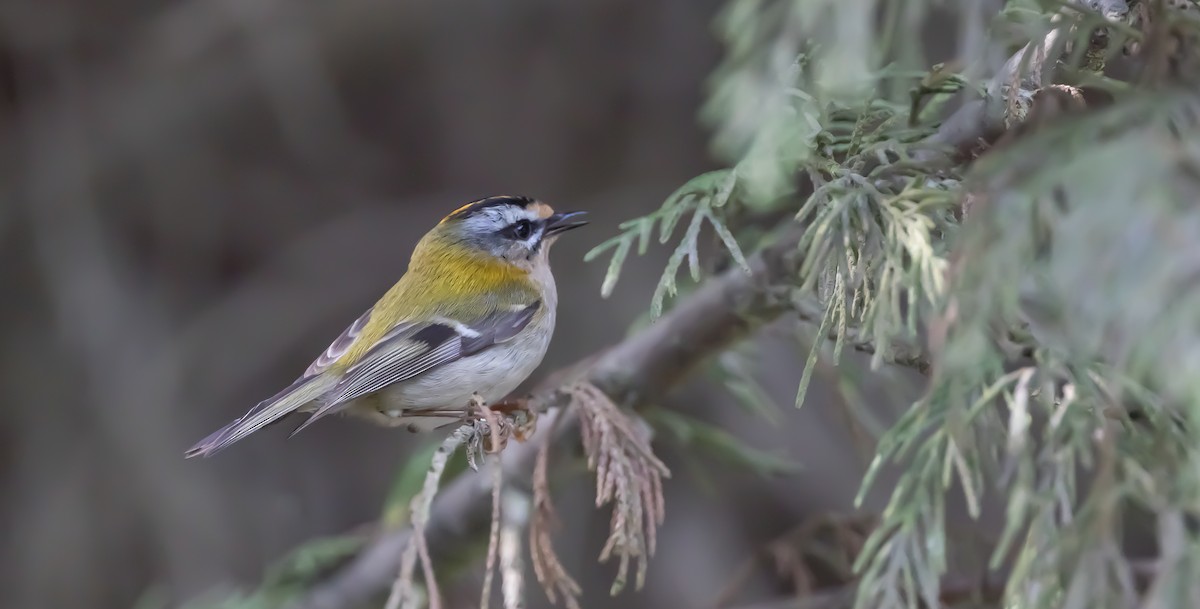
(474, 208)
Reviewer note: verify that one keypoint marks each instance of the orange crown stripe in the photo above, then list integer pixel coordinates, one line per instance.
(543, 209)
(459, 210)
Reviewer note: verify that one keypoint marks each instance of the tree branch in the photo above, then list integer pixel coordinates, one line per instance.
(1027, 69)
(644, 366)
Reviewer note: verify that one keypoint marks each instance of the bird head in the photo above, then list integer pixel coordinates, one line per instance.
(518, 230)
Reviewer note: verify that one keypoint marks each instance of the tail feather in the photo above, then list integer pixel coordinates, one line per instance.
(318, 414)
(264, 413)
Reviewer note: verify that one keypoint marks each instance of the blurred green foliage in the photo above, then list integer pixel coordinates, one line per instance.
(1069, 300)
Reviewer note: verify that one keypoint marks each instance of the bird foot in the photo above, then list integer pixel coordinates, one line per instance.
(494, 424)
(522, 416)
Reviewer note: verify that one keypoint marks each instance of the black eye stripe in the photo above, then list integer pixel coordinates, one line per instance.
(519, 230)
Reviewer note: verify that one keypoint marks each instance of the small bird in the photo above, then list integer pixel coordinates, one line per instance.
(470, 319)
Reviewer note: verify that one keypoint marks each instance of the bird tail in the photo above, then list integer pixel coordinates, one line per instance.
(264, 413)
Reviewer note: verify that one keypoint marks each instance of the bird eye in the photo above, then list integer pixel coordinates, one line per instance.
(522, 229)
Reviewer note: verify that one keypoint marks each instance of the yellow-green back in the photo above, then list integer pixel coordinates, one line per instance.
(444, 279)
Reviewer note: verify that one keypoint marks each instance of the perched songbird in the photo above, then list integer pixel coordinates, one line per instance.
(471, 317)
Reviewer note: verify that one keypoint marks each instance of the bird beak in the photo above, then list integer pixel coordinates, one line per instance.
(561, 223)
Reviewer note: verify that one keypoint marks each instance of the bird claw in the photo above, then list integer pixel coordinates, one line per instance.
(521, 415)
(524, 425)
(512, 419)
(479, 430)
(474, 448)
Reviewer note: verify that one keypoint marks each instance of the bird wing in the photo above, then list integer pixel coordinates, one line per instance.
(407, 350)
(338, 347)
(411, 349)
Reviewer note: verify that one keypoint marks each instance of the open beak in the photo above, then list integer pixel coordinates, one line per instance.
(561, 223)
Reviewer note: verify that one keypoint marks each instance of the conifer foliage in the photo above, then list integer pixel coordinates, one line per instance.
(1020, 224)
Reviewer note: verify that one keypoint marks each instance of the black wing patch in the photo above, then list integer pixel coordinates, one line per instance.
(499, 327)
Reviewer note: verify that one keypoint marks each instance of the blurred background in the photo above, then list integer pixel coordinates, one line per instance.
(199, 195)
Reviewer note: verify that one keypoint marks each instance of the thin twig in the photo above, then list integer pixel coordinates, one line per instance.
(515, 517)
(547, 567)
(402, 590)
(431, 587)
(489, 568)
